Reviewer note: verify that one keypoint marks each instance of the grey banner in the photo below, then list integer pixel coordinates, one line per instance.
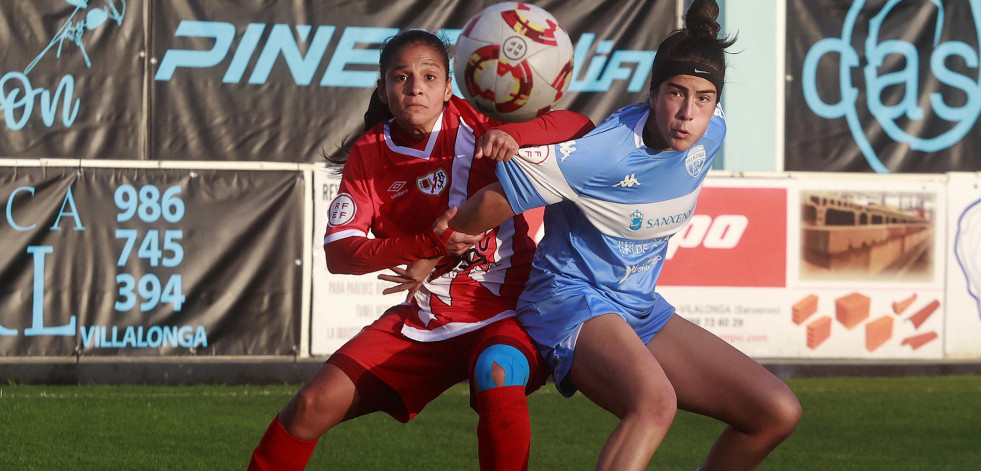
(256, 80)
(149, 262)
(883, 86)
(72, 79)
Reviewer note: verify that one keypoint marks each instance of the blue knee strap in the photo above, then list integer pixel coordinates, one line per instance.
(511, 359)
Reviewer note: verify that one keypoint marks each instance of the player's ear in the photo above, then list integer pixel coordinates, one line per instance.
(381, 91)
(449, 89)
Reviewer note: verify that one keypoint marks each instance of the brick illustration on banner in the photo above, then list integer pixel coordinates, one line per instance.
(899, 306)
(852, 309)
(878, 332)
(804, 308)
(920, 340)
(818, 331)
(923, 314)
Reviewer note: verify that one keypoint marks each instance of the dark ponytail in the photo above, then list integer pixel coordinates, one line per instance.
(377, 112)
(697, 46)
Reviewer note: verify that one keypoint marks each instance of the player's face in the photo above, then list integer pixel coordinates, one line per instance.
(415, 87)
(682, 108)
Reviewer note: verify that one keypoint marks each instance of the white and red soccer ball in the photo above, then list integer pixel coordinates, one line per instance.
(513, 61)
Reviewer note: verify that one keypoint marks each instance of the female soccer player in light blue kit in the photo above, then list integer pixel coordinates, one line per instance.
(614, 198)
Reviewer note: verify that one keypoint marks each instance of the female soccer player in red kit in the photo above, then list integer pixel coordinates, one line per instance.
(400, 177)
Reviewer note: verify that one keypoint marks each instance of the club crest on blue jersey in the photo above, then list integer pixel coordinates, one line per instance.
(636, 220)
(695, 160)
(718, 112)
(432, 183)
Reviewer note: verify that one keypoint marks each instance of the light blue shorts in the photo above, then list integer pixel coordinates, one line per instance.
(554, 324)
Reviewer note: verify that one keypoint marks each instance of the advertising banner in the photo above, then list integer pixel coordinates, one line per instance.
(805, 266)
(72, 79)
(290, 81)
(884, 86)
(150, 261)
(249, 80)
(963, 327)
(727, 271)
(815, 267)
(342, 304)
(738, 227)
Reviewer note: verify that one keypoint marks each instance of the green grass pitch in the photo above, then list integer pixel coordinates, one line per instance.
(916, 423)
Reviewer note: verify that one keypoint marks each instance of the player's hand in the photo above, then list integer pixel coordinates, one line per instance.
(496, 145)
(410, 278)
(458, 242)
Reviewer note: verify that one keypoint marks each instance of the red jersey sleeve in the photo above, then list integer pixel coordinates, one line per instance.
(554, 126)
(360, 255)
(347, 247)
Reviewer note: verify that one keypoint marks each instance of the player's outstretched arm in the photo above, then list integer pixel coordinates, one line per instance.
(360, 255)
(485, 210)
(555, 126)
(502, 142)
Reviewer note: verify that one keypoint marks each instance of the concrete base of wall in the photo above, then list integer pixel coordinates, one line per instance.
(279, 370)
(880, 368)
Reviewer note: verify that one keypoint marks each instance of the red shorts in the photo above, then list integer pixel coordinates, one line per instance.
(400, 376)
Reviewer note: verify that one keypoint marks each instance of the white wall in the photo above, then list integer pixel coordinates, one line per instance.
(754, 92)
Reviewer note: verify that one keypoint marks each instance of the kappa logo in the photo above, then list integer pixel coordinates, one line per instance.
(628, 181)
(432, 183)
(566, 148)
(695, 160)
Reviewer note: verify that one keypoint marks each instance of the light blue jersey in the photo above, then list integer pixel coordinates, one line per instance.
(613, 204)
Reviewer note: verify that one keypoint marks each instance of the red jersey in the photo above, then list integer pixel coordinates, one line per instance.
(397, 192)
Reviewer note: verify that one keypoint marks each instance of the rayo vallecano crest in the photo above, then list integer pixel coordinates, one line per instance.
(432, 183)
(695, 160)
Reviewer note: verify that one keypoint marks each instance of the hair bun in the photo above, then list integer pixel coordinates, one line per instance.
(701, 19)
(697, 43)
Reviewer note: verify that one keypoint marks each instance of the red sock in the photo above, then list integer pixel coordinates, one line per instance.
(280, 451)
(503, 430)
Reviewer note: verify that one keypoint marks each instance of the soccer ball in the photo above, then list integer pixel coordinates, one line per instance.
(513, 61)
